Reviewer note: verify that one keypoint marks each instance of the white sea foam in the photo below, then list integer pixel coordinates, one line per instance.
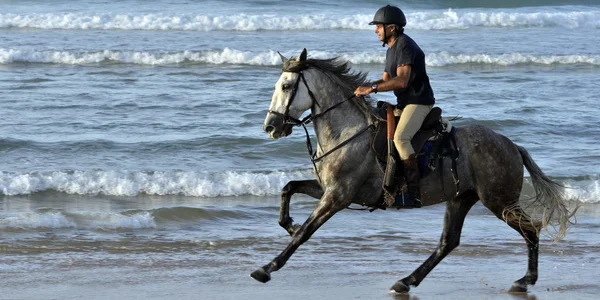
(462, 19)
(80, 220)
(589, 193)
(423, 20)
(225, 56)
(238, 22)
(96, 220)
(188, 183)
(271, 58)
(37, 220)
(444, 59)
(122, 183)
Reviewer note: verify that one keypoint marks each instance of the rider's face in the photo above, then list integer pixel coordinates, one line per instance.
(380, 30)
(384, 31)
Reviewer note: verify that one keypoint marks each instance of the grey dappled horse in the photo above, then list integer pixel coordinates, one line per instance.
(490, 169)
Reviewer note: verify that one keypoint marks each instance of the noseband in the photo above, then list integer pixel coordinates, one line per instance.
(287, 119)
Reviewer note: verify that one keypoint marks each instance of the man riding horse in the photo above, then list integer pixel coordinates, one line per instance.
(404, 74)
(490, 168)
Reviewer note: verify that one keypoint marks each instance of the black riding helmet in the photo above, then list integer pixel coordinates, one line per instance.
(389, 15)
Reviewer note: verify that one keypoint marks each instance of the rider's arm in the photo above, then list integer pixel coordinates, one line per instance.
(383, 79)
(397, 83)
(386, 84)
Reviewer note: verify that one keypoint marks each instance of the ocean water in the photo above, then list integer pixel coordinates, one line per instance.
(131, 131)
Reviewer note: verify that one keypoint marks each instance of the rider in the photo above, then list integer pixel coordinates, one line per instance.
(405, 75)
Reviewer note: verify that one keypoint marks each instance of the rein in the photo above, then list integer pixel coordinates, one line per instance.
(310, 118)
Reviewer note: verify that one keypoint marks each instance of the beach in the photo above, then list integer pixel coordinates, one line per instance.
(357, 255)
(134, 163)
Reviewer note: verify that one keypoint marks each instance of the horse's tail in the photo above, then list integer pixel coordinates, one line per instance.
(549, 206)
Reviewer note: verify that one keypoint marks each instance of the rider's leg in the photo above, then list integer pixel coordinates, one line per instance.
(410, 122)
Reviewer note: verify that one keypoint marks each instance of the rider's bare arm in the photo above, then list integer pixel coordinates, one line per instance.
(397, 83)
(383, 79)
(386, 84)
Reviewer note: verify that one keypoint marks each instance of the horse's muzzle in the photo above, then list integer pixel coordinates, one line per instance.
(276, 127)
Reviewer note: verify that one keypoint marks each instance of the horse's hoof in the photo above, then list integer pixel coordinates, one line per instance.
(261, 275)
(400, 287)
(517, 288)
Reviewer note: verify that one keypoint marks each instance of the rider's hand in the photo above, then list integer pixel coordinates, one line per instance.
(363, 90)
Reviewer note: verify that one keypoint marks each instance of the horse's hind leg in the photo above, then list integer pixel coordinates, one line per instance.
(517, 219)
(308, 187)
(456, 211)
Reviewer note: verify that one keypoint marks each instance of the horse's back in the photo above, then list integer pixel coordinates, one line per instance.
(485, 147)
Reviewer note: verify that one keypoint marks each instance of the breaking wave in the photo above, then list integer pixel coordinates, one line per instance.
(421, 20)
(125, 183)
(197, 183)
(44, 219)
(228, 56)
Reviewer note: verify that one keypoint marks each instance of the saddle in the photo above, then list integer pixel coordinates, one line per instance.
(433, 142)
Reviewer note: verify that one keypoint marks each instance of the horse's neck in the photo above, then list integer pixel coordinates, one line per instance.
(339, 123)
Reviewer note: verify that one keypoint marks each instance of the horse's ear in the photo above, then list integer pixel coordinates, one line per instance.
(302, 55)
(283, 59)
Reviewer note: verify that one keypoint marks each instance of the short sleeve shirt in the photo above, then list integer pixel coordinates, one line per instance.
(406, 52)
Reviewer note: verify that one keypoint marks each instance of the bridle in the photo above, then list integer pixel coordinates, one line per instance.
(287, 119)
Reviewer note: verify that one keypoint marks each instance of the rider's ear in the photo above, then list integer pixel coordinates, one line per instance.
(302, 55)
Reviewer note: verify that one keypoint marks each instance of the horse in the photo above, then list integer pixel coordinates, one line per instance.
(490, 169)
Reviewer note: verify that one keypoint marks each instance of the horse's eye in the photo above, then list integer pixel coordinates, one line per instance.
(285, 87)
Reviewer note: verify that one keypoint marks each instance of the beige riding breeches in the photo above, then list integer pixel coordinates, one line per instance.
(411, 119)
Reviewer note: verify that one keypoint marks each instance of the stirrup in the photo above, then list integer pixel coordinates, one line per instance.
(406, 200)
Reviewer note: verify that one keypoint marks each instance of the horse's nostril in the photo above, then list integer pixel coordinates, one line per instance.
(269, 128)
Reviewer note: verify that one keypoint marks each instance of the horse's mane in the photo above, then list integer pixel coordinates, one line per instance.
(341, 74)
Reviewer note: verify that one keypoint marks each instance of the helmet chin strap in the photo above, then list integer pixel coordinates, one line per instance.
(385, 36)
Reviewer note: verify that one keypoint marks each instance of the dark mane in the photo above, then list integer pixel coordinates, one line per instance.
(341, 74)
(339, 71)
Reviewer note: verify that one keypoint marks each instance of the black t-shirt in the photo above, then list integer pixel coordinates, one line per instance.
(406, 52)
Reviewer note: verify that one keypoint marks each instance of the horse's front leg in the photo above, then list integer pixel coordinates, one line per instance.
(308, 187)
(325, 210)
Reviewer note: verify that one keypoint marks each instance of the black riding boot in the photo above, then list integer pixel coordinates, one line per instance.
(412, 176)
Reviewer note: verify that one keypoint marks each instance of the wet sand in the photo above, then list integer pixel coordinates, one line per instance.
(453, 279)
(329, 266)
